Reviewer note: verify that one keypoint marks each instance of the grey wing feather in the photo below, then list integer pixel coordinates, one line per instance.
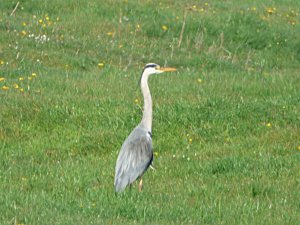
(134, 158)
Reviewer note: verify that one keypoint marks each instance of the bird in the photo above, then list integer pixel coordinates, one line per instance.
(136, 153)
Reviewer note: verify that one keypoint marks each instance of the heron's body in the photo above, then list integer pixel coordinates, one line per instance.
(134, 158)
(136, 152)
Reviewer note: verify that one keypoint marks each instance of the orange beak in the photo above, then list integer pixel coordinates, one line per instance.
(167, 69)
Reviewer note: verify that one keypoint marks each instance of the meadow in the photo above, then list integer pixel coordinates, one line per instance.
(226, 126)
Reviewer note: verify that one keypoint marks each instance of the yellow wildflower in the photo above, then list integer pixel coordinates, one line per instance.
(190, 140)
(298, 147)
(21, 78)
(2, 79)
(269, 124)
(47, 18)
(40, 21)
(271, 10)
(33, 75)
(24, 24)
(5, 88)
(100, 65)
(1, 62)
(136, 101)
(164, 27)
(199, 80)
(156, 154)
(23, 32)
(110, 33)
(16, 86)
(30, 78)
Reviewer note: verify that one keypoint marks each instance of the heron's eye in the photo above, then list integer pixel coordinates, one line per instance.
(157, 67)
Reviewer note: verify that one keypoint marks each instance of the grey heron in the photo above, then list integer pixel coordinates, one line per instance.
(136, 153)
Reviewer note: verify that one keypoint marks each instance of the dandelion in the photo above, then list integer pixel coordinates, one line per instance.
(24, 24)
(269, 125)
(156, 154)
(206, 4)
(120, 46)
(23, 32)
(199, 80)
(1, 62)
(40, 21)
(21, 78)
(136, 101)
(5, 88)
(298, 147)
(2, 79)
(100, 65)
(21, 89)
(110, 33)
(57, 19)
(253, 8)
(138, 27)
(33, 75)
(270, 10)
(190, 140)
(194, 7)
(16, 86)
(174, 156)
(164, 27)
(188, 159)
(30, 78)
(47, 18)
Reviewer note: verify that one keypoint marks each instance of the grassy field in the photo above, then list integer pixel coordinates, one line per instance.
(226, 127)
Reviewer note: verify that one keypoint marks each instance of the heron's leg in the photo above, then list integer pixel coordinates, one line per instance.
(141, 184)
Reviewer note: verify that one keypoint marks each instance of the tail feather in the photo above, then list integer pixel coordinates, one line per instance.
(120, 184)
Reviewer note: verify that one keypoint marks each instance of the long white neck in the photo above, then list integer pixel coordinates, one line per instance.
(147, 113)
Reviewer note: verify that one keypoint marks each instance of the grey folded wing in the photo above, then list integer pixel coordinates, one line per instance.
(134, 158)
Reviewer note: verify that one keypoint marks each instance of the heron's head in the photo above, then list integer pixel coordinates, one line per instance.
(152, 68)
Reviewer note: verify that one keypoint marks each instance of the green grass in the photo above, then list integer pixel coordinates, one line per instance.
(226, 146)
